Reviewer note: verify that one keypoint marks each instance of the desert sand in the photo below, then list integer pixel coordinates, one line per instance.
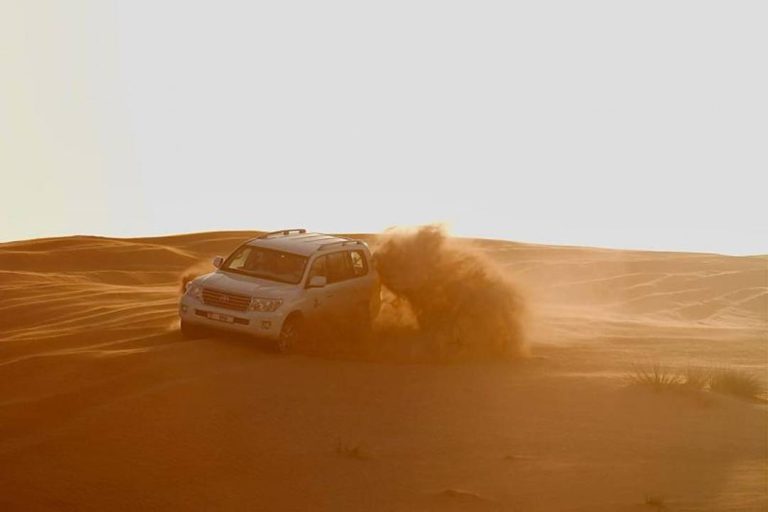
(104, 406)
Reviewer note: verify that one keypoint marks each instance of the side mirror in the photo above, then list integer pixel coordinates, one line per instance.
(317, 282)
(217, 261)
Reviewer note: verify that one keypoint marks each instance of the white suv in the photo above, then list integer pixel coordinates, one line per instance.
(275, 285)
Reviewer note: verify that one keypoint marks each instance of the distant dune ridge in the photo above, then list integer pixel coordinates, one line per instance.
(103, 406)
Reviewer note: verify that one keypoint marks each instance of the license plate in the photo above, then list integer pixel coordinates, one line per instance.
(221, 318)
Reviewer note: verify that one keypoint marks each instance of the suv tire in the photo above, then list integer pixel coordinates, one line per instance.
(290, 334)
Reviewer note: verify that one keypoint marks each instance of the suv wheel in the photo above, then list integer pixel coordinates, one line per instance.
(290, 334)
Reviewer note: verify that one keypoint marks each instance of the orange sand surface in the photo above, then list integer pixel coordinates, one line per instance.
(104, 406)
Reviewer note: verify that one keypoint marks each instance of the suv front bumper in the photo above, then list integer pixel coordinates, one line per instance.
(263, 325)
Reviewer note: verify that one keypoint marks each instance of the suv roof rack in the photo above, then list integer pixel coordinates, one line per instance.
(282, 232)
(340, 243)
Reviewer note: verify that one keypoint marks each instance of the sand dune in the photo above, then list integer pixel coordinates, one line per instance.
(103, 406)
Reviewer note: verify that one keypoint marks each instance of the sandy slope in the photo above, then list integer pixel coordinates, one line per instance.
(104, 407)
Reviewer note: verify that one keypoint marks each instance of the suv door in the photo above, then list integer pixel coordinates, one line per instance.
(341, 297)
(318, 300)
(349, 285)
(362, 281)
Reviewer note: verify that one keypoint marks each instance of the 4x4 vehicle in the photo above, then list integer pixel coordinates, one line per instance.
(274, 285)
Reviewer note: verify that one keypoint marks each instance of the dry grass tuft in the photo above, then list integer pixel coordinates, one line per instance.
(517, 458)
(657, 377)
(656, 501)
(732, 382)
(353, 452)
(737, 383)
(696, 378)
(464, 496)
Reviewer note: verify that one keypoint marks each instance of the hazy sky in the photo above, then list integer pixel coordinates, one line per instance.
(619, 124)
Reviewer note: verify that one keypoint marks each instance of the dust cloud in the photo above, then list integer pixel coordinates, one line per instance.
(458, 300)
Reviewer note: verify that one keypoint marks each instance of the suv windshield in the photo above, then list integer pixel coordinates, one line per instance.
(267, 264)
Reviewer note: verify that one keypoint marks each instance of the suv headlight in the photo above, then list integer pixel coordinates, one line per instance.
(264, 305)
(195, 290)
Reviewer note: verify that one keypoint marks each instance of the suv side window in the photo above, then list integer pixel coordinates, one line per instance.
(319, 267)
(359, 263)
(339, 267)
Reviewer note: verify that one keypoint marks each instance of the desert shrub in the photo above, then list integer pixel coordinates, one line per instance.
(732, 382)
(353, 452)
(656, 501)
(656, 376)
(696, 378)
(736, 383)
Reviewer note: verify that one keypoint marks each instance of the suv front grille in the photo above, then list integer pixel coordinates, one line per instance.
(225, 300)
